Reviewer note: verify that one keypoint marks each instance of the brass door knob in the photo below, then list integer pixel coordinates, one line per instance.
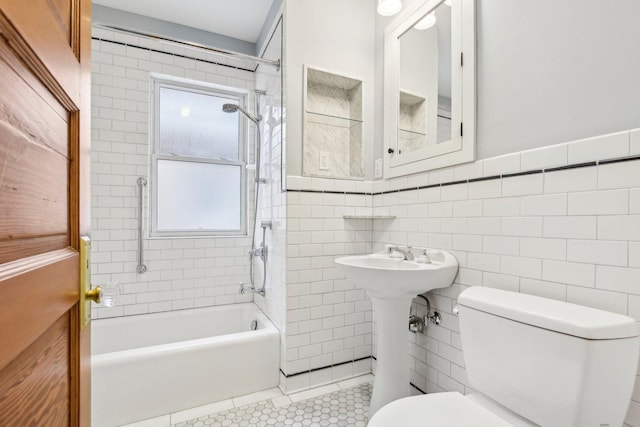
(95, 295)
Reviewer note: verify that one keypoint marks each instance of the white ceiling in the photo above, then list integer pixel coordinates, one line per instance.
(240, 19)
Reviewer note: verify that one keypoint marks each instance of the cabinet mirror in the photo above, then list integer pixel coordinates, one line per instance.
(429, 87)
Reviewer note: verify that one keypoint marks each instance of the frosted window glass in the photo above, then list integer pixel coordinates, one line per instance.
(193, 125)
(198, 196)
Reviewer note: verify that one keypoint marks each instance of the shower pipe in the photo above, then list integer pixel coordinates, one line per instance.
(197, 46)
(262, 250)
(142, 182)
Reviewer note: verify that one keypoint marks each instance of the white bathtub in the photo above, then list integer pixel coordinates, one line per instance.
(149, 365)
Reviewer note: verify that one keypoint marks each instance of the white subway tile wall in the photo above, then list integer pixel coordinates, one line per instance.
(328, 318)
(570, 234)
(183, 272)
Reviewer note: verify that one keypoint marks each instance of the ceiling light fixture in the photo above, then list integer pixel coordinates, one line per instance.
(389, 7)
(426, 22)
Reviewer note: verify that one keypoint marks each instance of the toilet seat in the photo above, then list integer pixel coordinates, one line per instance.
(450, 409)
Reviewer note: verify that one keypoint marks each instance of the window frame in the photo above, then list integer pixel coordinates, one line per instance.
(234, 95)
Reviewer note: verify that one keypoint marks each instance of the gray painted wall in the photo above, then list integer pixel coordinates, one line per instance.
(118, 18)
(554, 71)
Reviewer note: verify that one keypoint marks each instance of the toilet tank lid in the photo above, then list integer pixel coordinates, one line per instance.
(559, 316)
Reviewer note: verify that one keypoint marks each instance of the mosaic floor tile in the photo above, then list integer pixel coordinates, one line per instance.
(347, 407)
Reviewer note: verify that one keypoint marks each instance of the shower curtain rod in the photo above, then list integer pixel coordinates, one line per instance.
(198, 46)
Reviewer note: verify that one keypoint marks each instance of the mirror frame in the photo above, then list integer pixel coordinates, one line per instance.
(461, 148)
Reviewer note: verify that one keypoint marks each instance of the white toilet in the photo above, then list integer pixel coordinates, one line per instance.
(533, 361)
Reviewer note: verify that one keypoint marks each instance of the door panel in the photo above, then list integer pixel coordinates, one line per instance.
(34, 131)
(35, 303)
(35, 32)
(44, 209)
(40, 371)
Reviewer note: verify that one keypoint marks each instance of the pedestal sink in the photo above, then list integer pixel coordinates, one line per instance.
(392, 283)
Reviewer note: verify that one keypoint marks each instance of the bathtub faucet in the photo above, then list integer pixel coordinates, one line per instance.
(251, 288)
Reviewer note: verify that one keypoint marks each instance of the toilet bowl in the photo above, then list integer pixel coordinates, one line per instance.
(450, 409)
(533, 362)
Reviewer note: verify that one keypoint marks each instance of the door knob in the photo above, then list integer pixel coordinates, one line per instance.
(94, 295)
(108, 295)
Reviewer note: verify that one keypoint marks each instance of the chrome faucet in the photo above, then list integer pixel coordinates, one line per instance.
(408, 255)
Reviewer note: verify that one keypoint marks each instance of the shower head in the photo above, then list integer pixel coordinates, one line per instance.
(229, 108)
(232, 108)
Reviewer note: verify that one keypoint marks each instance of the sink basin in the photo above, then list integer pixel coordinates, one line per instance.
(386, 277)
(392, 283)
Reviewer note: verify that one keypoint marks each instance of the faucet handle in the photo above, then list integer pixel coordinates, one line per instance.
(424, 258)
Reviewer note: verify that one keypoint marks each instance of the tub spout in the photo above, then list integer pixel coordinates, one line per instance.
(262, 291)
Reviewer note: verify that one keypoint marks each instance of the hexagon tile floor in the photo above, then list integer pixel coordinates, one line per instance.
(348, 407)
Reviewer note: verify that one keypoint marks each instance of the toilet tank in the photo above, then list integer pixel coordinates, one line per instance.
(552, 362)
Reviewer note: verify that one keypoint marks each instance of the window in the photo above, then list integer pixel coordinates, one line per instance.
(197, 160)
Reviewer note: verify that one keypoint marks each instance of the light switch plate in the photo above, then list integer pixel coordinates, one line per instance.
(324, 160)
(377, 172)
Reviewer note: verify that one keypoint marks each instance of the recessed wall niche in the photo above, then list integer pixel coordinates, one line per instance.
(332, 131)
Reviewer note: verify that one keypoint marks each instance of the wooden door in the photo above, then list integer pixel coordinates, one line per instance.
(44, 209)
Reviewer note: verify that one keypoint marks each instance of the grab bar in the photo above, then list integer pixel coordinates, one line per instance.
(142, 182)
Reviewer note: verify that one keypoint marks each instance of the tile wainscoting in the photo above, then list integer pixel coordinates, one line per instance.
(561, 222)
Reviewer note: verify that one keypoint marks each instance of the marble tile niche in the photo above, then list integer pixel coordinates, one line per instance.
(332, 131)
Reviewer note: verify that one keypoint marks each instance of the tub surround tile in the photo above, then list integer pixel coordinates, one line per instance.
(119, 155)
